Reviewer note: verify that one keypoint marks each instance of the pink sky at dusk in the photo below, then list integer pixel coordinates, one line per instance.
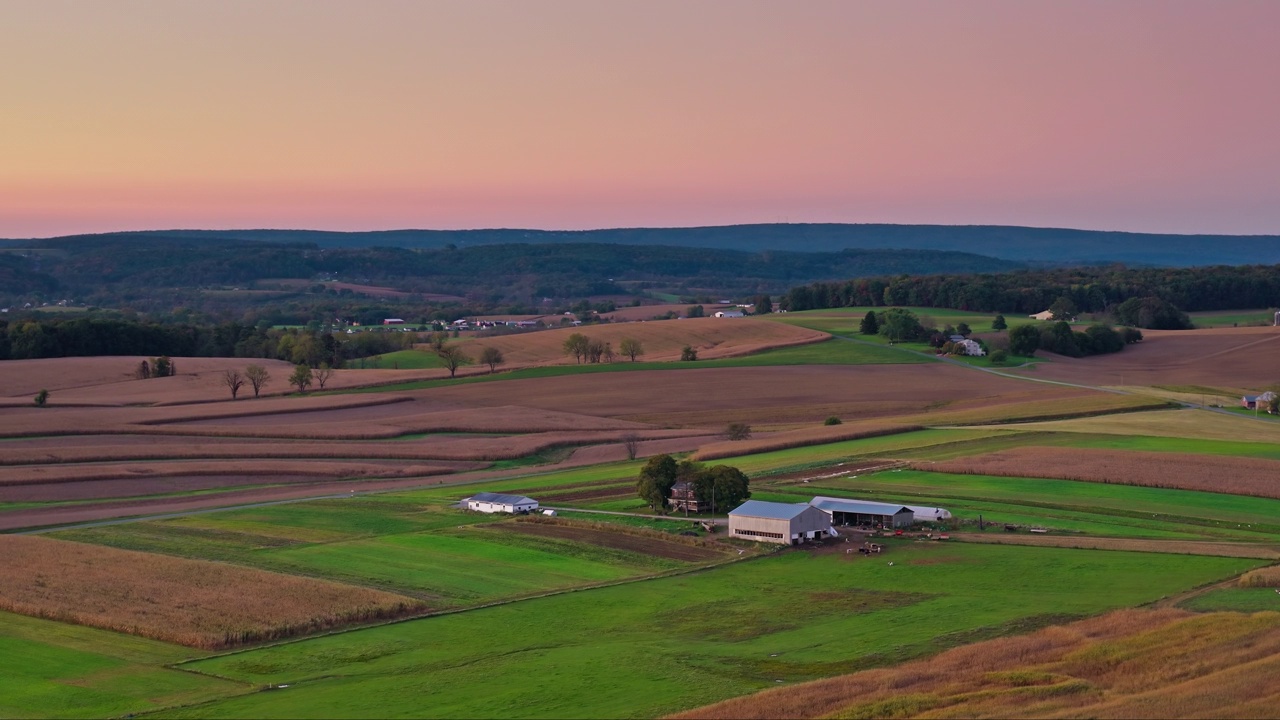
(1148, 116)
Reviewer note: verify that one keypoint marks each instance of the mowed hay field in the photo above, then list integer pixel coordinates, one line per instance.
(1231, 475)
(1191, 424)
(189, 602)
(1239, 358)
(662, 341)
(1128, 664)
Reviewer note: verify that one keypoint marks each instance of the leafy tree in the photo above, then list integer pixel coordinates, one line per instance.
(695, 311)
(609, 355)
(1104, 339)
(999, 357)
(301, 378)
(162, 366)
(595, 351)
(737, 431)
(721, 487)
(764, 304)
(1130, 335)
(688, 354)
(144, 370)
(1063, 309)
(437, 340)
(1153, 313)
(631, 348)
(453, 358)
(870, 325)
(963, 329)
(898, 325)
(492, 357)
(577, 345)
(655, 481)
(234, 381)
(1024, 340)
(257, 377)
(999, 323)
(322, 374)
(833, 420)
(42, 398)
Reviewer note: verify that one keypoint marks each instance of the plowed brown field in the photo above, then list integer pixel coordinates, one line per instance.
(1240, 358)
(190, 602)
(1210, 473)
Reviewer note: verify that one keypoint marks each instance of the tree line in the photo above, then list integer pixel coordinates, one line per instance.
(1090, 289)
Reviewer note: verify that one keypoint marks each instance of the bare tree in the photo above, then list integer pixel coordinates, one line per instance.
(738, 431)
(492, 357)
(453, 358)
(595, 350)
(257, 377)
(234, 381)
(437, 340)
(608, 352)
(631, 442)
(322, 374)
(144, 370)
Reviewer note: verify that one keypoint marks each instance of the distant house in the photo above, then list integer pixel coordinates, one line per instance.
(729, 314)
(970, 347)
(498, 503)
(393, 321)
(782, 523)
(1046, 315)
(956, 338)
(683, 497)
(1255, 402)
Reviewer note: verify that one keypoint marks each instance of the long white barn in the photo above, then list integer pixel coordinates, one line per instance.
(498, 503)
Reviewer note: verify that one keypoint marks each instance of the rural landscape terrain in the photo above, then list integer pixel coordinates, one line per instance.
(185, 544)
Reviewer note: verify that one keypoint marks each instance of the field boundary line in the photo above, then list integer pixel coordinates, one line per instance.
(1254, 551)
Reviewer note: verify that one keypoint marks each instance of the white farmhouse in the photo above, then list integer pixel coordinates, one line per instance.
(971, 347)
(498, 503)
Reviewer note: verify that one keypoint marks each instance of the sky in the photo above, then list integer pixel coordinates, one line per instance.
(1159, 116)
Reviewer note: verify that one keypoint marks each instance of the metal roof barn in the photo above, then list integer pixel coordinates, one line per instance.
(864, 512)
(782, 523)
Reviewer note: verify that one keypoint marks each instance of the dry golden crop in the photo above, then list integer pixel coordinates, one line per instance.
(1130, 663)
(1210, 473)
(190, 602)
(801, 438)
(1262, 577)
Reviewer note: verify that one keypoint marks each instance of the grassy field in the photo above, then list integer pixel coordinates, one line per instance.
(645, 649)
(51, 669)
(1232, 318)
(399, 360)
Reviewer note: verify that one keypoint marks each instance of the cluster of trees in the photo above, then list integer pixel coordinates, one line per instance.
(1089, 289)
(720, 487)
(1059, 338)
(91, 336)
(584, 349)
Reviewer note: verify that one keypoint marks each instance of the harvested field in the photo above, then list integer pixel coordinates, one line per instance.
(1197, 424)
(1239, 358)
(189, 602)
(662, 341)
(801, 438)
(1008, 410)
(1263, 577)
(651, 312)
(1176, 547)
(807, 393)
(1208, 473)
(1131, 663)
(616, 537)
(51, 474)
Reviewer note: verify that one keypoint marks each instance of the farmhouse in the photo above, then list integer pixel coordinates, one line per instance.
(970, 347)
(1255, 402)
(729, 313)
(496, 502)
(863, 512)
(683, 497)
(782, 523)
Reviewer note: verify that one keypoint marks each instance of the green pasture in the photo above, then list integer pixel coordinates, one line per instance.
(399, 360)
(650, 648)
(1231, 318)
(52, 669)
(1177, 510)
(1234, 599)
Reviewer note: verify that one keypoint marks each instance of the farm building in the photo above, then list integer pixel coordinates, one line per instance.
(393, 321)
(498, 503)
(926, 514)
(782, 523)
(1255, 402)
(683, 497)
(1046, 315)
(729, 314)
(862, 512)
(970, 347)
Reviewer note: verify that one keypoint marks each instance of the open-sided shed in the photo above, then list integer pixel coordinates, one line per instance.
(842, 511)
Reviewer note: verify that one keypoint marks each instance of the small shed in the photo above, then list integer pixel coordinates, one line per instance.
(862, 512)
(782, 523)
(498, 503)
(927, 514)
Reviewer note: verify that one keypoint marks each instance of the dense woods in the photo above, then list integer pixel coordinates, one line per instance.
(1090, 289)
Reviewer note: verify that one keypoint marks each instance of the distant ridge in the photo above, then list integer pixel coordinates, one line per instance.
(1022, 244)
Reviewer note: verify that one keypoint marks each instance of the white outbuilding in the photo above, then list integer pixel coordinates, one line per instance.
(782, 523)
(498, 503)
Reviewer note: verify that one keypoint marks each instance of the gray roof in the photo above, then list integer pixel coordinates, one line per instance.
(771, 510)
(501, 499)
(862, 507)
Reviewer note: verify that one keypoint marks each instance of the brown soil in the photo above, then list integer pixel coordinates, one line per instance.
(1178, 547)
(616, 540)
